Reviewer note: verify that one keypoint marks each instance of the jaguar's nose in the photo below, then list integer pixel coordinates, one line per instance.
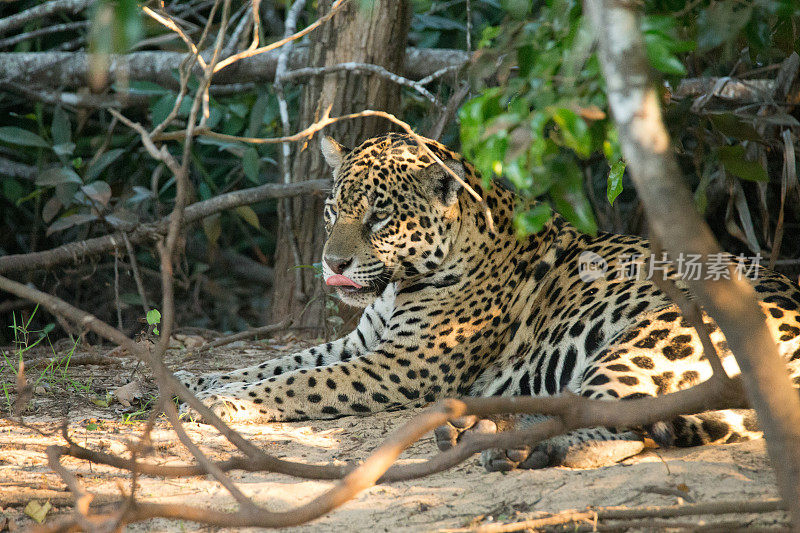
(338, 264)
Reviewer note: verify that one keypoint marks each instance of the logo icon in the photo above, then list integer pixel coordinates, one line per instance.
(591, 267)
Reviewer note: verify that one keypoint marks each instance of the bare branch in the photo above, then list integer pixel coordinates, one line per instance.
(88, 100)
(44, 10)
(208, 465)
(327, 120)
(449, 111)
(68, 70)
(728, 89)
(55, 28)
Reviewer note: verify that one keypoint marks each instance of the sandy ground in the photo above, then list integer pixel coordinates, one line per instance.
(463, 496)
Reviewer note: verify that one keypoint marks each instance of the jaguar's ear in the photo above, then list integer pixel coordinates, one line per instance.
(443, 186)
(333, 152)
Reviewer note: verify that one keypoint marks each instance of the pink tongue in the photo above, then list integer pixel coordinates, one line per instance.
(337, 280)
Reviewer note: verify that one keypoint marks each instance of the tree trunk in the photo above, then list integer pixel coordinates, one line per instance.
(374, 35)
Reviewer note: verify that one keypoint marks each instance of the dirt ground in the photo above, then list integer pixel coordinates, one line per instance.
(463, 496)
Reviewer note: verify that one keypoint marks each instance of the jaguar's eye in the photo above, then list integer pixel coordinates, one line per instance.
(329, 212)
(329, 216)
(378, 219)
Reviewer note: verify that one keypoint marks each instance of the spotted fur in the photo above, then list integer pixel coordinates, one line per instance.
(454, 309)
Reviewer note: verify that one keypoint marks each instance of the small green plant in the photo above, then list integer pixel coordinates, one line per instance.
(140, 413)
(154, 319)
(52, 375)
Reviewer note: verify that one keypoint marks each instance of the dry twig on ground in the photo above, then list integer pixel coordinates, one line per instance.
(591, 517)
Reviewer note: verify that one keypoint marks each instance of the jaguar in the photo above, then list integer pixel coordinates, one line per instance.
(456, 306)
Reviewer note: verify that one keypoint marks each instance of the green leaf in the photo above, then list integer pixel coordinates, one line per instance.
(99, 191)
(12, 190)
(212, 227)
(57, 176)
(250, 164)
(51, 209)
(574, 131)
(153, 317)
(20, 137)
(436, 22)
(64, 149)
(569, 197)
(129, 16)
(248, 215)
(533, 220)
(162, 107)
(257, 114)
(103, 162)
(61, 130)
(614, 186)
(734, 161)
(732, 126)
(661, 57)
(65, 192)
(526, 58)
(145, 88)
(70, 221)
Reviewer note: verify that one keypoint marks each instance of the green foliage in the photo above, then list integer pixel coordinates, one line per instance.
(538, 120)
(537, 128)
(542, 124)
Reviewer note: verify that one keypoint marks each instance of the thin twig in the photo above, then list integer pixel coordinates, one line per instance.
(626, 513)
(75, 360)
(243, 335)
(136, 274)
(377, 70)
(117, 303)
(249, 53)
(286, 149)
(169, 23)
(449, 112)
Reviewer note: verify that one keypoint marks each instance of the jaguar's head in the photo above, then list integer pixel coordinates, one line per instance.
(392, 214)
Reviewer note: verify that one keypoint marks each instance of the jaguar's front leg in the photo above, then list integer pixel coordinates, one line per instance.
(353, 345)
(386, 378)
